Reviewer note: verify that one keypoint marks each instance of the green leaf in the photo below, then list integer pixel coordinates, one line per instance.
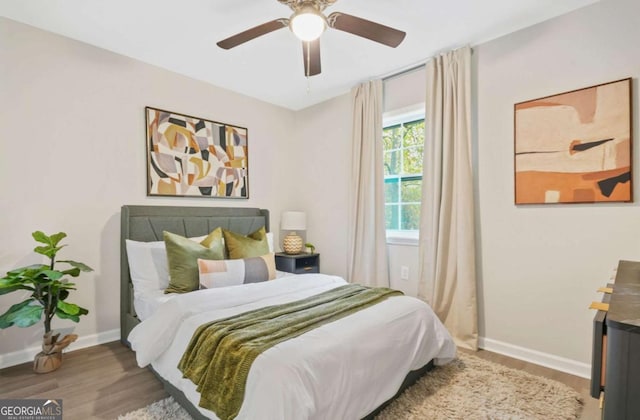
(20, 271)
(57, 237)
(63, 315)
(78, 265)
(25, 276)
(41, 237)
(9, 289)
(9, 281)
(73, 272)
(51, 243)
(63, 294)
(53, 274)
(52, 240)
(68, 308)
(49, 251)
(21, 315)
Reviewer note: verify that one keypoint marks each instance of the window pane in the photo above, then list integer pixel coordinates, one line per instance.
(410, 217)
(392, 162)
(391, 190)
(413, 134)
(412, 163)
(391, 137)
(391, 216)
(411, 191)
(403, 155)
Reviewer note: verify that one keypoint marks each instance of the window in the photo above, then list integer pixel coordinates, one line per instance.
(403, 139)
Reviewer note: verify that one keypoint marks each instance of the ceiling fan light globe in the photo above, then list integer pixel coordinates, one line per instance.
(308, 26)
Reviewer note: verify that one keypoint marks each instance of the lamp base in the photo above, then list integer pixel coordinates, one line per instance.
(292, 244)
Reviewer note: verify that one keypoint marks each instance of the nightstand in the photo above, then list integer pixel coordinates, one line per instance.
(298, 263)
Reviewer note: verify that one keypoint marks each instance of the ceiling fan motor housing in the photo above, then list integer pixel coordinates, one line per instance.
(319, 4)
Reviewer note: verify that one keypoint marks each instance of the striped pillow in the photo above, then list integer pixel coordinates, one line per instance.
(223, 273)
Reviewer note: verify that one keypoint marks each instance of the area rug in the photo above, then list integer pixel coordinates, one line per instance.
(467, 388)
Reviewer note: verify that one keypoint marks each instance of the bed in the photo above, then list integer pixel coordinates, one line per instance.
(337, 342)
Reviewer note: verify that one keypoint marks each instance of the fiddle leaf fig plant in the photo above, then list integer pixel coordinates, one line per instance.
(48, 286)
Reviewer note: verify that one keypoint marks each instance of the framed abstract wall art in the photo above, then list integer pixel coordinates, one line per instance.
(575, 147)
(194, 157)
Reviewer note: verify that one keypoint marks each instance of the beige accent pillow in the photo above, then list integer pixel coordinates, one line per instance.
(182, 256)
(240, 246)
(223, 273)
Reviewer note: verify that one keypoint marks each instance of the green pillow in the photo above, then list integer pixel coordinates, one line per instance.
(182, 256)
(250, 246)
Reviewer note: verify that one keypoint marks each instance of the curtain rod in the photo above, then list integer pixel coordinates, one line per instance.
(411, 67)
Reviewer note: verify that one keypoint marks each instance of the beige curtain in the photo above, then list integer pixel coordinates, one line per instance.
(447, 270)
(367, 259)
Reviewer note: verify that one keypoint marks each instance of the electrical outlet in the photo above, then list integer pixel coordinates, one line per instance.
(404, 272)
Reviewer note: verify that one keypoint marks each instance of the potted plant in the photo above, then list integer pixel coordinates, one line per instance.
(310, 248)
(49, 290)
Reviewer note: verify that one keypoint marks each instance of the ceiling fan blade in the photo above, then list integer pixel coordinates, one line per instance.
(249, 34)
(366, 29)
(311, 56)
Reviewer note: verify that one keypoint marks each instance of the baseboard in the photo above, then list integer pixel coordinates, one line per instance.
(537, 357)
(26, 355)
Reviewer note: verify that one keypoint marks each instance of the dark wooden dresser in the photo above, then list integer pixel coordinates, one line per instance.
(616, 347)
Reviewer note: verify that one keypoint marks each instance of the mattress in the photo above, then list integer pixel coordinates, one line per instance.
(344, 369)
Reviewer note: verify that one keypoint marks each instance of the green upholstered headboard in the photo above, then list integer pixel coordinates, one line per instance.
(146, 224)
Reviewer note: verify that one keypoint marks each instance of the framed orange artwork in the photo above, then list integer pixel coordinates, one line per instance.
(575, 147)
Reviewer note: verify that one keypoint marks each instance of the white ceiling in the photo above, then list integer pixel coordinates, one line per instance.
(181, 36)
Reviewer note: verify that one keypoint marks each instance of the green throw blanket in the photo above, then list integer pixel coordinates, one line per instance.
(221, 352)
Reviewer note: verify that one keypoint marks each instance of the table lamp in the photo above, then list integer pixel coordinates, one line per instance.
(293, 221)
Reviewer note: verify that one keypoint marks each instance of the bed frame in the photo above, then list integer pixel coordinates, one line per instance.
(146, 224)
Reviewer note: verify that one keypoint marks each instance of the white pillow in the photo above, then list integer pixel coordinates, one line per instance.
(148, 266)
(223, 273)
(270, 241)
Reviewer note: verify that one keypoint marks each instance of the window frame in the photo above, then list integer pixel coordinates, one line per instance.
(389, 119)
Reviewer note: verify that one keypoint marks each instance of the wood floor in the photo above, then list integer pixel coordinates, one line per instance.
(104, 381)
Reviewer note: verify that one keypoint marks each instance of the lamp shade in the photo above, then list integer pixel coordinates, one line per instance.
(307, 23)
(293, 220)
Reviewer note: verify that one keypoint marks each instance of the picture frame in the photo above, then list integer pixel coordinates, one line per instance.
(575, 147)
(190, 156)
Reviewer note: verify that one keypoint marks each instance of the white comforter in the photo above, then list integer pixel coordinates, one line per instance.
(341, 370)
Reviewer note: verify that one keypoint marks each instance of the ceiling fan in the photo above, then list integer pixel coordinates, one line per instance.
(308, 22)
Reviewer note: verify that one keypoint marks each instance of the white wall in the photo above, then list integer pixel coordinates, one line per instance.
(320, 166)
(401, 255)
(405, 90)
(539, 266)
(73, 151)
